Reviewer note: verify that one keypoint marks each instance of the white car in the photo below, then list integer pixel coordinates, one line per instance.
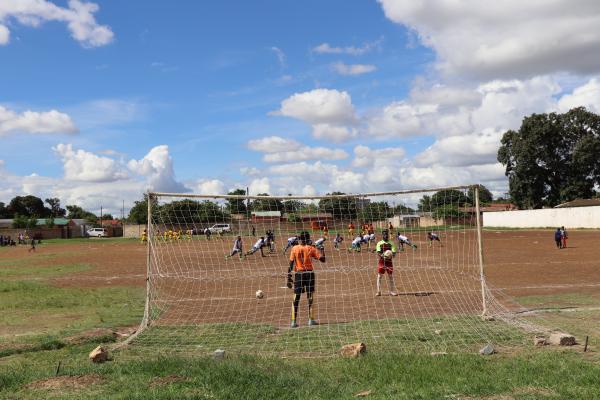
(97, 232)
(216, 228)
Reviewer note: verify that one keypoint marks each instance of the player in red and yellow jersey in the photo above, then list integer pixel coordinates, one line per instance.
(385, 265)
(304, 277)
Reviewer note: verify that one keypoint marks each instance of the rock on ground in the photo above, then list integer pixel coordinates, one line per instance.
(562, 339)
(99, 355)
(353, 350)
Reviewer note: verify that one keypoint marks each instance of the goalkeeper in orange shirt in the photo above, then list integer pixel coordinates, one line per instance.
(304, 277)
(385, 264)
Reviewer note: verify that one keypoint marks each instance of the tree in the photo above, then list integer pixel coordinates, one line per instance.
(191, 211)
(4, 212)
(266, 204)
(107, 217)
(55, 209)
(552, 158)
(485, 196)
(76, 212)
(28, 206)
(237, 206)
(375, 211)
(339, 207)
(425, 203)
(139, 212)
(448, 197)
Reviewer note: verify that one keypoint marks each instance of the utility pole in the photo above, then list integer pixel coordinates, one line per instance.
(101, 217)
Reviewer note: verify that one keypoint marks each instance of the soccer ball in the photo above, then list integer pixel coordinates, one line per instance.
(259, 294)
(388, 254)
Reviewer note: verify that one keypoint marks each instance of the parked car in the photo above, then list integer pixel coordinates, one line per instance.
(97, 232)
(223, 228)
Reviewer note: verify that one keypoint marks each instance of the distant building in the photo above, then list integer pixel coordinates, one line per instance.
(580, 203)
(266, 216)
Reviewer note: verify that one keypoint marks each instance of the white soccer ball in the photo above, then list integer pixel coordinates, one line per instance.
(388, 254)
(260, 294)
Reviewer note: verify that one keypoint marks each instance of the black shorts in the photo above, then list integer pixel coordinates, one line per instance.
(304, 282)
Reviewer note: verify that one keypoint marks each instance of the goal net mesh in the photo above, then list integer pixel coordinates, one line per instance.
(202, 294)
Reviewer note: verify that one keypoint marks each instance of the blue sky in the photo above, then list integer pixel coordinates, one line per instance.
(365, 95)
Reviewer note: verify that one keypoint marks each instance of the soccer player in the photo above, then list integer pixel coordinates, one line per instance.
(390, 228)
(402, 240)
(367, 238)
(260, 243)
(32, 248)
(356, 243)
(433, 236)
(564, 236)
(384, 265)
(207, 232)
(237, 248)
(558, 238)
(320, 243)
(337, 240)
(304, 277)
(144, 238)
(326, 232)
(351, 229)
(291, 242)
(270, 240)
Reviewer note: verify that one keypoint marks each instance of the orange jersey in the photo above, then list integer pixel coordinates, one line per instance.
(302, 256)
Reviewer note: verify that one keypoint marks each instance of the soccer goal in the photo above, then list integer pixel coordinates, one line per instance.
(219, 274)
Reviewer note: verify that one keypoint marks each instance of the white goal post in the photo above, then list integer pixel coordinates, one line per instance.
(212, 282)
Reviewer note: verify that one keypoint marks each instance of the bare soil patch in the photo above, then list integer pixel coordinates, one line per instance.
(66, 382)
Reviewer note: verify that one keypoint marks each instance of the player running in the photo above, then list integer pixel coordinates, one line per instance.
(402, 240)
(337, 240)
(291, 242)
(351, 229)
(237, 249)
(260, 243)
(320, 243)
(385, 264)
(368, 238)
(270, 240)
(433, 236)
(304, 276)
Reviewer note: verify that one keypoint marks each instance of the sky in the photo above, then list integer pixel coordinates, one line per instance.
(101, 101)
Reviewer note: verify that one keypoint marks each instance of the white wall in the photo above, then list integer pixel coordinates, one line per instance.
(574, 217)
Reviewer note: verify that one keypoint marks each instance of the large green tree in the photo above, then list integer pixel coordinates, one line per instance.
(237, 206)
(28, 206)
(266, 204)
(55, 208)
(339, 207)
(77, 212)
(4, 212)
(190, 211)
(139, 212)
(485, 196)
(552, 158)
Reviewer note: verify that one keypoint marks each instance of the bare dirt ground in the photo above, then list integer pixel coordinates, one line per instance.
(192, 282)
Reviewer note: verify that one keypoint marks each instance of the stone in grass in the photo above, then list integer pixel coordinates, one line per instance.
(353, 350)
(438, 353)
(438, 332)
(219, 354)
(562, 339)
(539, 341)
(487, 350)
(99, 355)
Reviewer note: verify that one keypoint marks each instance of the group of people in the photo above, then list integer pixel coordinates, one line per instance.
(267, 241)
(560, 237)
(21, 239)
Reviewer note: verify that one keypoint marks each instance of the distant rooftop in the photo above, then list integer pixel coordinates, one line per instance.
(580, 203)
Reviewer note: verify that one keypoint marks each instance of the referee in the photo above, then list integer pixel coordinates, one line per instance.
(304, 276)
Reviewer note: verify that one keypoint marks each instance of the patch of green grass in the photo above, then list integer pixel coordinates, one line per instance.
(531, 375)
(449, 334)
(560, 300)
(33, 308)
(41, 272)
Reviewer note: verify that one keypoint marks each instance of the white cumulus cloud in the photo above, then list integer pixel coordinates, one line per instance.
(505, 39)
(587, 95)
(35, 122)
(157, 167)
(81, 165)
(353, 69)
(211, 186)
(79, 17)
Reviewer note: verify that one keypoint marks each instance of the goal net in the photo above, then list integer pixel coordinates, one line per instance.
(217, 274)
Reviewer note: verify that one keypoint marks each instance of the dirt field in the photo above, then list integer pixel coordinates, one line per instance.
(192, 283)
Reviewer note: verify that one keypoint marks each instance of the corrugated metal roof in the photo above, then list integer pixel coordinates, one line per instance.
(580, 203)
(266, 213)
